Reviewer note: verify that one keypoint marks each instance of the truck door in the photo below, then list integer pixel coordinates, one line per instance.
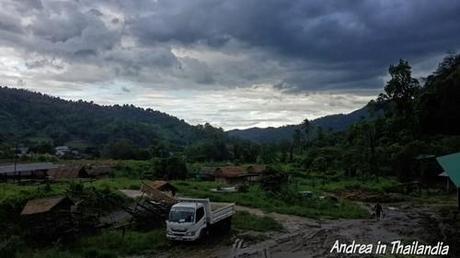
(200, 218)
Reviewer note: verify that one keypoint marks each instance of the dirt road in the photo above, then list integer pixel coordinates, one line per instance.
(305, 237)
(309, 238)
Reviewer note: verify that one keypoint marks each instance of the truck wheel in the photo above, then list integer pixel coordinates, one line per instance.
(228, 224)
(204, 233)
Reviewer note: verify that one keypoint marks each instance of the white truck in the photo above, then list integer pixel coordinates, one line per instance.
(190, 219)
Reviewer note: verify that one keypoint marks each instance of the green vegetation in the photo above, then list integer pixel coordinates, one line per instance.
(13, 198)
(132, 242)
(342, 184)
(108, 244)
(288, 202)
(243, 220)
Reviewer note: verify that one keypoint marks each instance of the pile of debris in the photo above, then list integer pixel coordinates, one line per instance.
(153, 202)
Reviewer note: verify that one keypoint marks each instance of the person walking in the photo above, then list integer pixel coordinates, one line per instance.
(378, 210)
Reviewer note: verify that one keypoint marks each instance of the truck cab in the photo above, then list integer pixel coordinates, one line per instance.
(186, 221)
(190, 219)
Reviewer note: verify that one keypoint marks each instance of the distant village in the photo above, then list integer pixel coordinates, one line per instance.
(19, 170)
(38, 171)
(59, 151)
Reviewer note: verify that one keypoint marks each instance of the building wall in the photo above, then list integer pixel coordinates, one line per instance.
(230, 180)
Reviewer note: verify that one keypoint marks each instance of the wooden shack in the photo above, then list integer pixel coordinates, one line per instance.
(255, 172)
(231, 175)
(47, 205)
(160, 191)
(67, 172)
(48, 218)
(235, 175)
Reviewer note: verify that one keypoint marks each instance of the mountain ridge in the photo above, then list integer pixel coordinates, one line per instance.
(335, 122)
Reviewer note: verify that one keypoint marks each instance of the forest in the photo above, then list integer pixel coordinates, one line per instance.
(411, 118)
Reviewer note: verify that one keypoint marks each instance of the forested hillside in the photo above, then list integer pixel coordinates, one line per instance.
(30, 118)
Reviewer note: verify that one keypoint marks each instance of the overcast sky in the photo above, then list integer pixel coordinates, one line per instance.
(232, 63)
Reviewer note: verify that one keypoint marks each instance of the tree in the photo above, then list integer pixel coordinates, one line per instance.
(401, 89)
(296, 139)
(306, 126)
(170, 168)
(125, 149)
(438, 105)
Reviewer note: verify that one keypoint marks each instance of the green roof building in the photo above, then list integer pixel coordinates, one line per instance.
(451, 165)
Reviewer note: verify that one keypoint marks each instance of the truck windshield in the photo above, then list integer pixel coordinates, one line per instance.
(182, 215)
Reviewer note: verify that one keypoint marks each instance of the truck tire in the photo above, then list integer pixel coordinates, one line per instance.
(204, 233)
(227, 224)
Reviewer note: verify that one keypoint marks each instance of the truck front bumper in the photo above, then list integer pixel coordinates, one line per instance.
(182, 237)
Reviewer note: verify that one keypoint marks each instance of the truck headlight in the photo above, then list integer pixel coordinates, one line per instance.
(190, 233)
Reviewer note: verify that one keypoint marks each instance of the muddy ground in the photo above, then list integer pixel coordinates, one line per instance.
(305, 237)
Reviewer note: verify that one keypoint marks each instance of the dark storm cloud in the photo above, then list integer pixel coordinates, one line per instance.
(295, 45)
(357, 38)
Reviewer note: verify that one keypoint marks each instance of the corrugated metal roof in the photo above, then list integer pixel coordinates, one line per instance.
(451, 165)
(26, 167)
(42, 205)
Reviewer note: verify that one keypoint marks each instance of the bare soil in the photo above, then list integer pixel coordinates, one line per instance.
(305, 237)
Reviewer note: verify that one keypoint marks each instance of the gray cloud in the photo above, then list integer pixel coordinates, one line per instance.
(316, 44)
(205, 45)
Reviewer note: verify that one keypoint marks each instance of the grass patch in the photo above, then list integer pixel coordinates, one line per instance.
(243, 220)
(343, 184)
(116, 183)
(133, 242)
(257, 198)
(49, 253)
